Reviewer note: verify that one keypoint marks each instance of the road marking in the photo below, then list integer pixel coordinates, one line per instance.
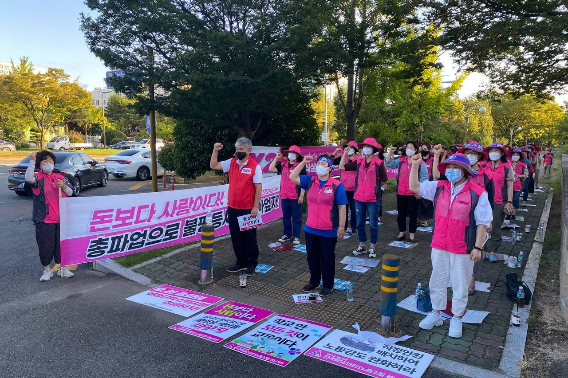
(1, 203)
(138, 186)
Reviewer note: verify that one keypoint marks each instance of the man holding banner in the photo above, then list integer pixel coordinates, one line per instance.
(245, 189)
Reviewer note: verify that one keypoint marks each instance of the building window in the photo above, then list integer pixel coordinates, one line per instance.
(97, 102)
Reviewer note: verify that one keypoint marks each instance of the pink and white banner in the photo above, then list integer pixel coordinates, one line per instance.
(223, 321)
(96, 228)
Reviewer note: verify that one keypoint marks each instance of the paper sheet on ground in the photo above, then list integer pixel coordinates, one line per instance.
(300, 248)
(222, 322)
(345, 349)
(361, 261)
(174, 299)
(526, 210)
(339, 284)
(528, 205)
(305, 298)
(356, 268)
(392, 212)
(424, 229)
(471, 316)
(280, 340)
(519, 218)
(401, 244)
(263, 268)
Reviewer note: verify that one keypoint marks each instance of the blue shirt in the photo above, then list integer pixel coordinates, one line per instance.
(340, 199)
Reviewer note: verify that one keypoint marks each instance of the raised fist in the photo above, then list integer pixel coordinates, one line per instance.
(218, 146)
(416, 159)
(308, 159)
(438, 150)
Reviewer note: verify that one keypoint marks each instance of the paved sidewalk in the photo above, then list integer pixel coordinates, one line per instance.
(481, 345)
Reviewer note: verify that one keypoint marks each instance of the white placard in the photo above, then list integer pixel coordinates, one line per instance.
(247, 222)
(361, 261)
(305, 298)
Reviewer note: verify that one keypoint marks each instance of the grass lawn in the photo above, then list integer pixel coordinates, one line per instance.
(137, 258)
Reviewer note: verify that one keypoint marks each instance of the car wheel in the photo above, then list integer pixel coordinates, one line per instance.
(5, 149)
(61, 148)
(143, 174)
(76, 186)
(104, 179)
(23, 194)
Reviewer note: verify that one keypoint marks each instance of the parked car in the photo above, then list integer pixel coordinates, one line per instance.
(7, 146)
(118, 146)
(145, 143)
(132, 163)
(80, 170)
(62, 143)
(128, 144)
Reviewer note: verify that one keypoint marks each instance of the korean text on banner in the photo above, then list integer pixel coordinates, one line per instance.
(175, 299)
(223, 321)
(247, 222)
(374, 359)
(280, 340)
(95, 228)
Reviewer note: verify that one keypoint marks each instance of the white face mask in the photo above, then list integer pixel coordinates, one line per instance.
(409, 152)
(516, 158)
(367, 151)
(351, 152)
(292, 156)
(494, 156)
(472, 159)
(47, 168)
(321, 170)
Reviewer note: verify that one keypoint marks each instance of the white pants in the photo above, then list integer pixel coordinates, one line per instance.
(457, 266)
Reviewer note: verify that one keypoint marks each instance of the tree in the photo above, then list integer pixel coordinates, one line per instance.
(123, 113)
(522, 45)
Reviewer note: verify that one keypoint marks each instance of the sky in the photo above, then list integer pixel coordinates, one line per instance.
(48, 32)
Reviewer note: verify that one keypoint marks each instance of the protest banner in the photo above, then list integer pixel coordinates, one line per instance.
(247, 222)
(96, 228)
(371, 358)
(280, 340)
(223, 321)
(174, 299)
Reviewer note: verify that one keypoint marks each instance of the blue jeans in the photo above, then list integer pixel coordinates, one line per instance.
(516, 198)
(373, 209)
(292, 211)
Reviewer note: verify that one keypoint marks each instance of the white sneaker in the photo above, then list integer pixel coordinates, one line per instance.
(372, 253)
(47, 274)
(66, 273)
(296, 241)
(455, 328)
(359, 251)
(431, 320)
(349, 231)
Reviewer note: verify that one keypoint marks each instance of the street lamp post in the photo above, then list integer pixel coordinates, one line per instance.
(518, 128)
(104, 121)
(481, 110)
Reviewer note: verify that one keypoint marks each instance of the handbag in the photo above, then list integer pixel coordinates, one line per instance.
(423, 301)
(512, 283)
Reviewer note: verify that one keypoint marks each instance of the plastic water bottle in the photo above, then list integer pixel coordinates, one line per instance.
(521, 297)
(545, 204)
(520, 259)
(209, 218)
(514, 236)
(418, 289)
(349, 292)
(243, 279)
(541, 228)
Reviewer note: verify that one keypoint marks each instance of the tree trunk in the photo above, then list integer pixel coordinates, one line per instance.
(351, 127)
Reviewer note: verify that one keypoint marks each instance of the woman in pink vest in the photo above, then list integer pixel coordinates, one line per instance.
(547, 161)
(521, 172)
(324, 225)
(370, 173)
(462, 214)
(291, 195)
(503, 178)
(348, 180)
(406, 200)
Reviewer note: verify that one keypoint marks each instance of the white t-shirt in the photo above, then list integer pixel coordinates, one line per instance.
(482, 213)
(256, 179)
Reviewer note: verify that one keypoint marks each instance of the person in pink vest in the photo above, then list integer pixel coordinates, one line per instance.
(324, 226)
(371, 173)
(521, 172)
(45, 214)
(348, 180)
(547, 161)
(406, 200)
(291, 195)
(425, 207)
(503, 177)
(245, 189)
(462, 214)
(528, 185)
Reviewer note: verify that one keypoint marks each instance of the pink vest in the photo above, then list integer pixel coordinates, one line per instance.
(323, 213)
(403, 177)
(455, 228)
(499, 180)
(348, 180)
(518, 169)
(548, 159)
(368, 181)
(46, 198)
(288, 190)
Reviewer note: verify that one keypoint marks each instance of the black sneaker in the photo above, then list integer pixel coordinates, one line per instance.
(285, 238)
(251, 271)
(325, 291)
(400, 238)
(234, 269)
(309, 288)
(513, 217)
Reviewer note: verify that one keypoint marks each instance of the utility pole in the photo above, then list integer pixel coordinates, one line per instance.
(325, 111)
(153, 126)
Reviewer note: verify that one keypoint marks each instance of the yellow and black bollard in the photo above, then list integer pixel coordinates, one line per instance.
(389, 290)
(206, 255)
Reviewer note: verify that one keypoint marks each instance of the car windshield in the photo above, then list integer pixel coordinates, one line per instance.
(127, 153)
(144, 141)
(53, 139)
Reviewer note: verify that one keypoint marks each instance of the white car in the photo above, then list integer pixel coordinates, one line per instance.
(132, 163)
(145, 143)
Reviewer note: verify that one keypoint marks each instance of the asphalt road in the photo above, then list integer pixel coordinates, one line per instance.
(84, 327)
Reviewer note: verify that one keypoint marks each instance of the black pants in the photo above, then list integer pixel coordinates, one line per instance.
(353, 212)
(407, 206)
(47, 238)
(244, 242)
(321, 258)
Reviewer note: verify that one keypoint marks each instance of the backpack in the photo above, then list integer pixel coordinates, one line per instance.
(512, 284)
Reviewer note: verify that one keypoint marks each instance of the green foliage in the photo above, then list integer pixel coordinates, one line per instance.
(167, 157)
(114, 136)
(122, 112)
(75, 137)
